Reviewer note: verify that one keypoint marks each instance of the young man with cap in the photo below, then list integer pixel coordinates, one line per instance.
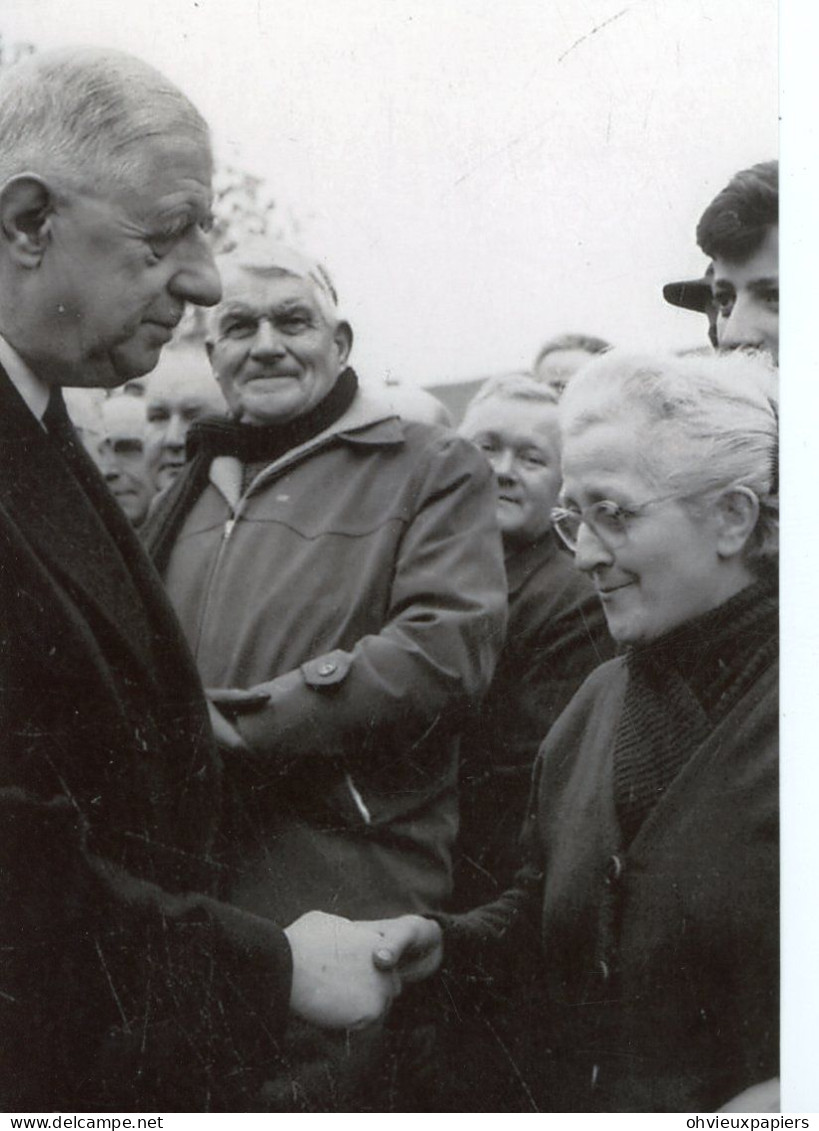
(739, 232)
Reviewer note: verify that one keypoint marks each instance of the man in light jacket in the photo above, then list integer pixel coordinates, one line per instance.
(338, 573)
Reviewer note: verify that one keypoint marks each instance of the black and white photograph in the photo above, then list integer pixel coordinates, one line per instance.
(389, 580)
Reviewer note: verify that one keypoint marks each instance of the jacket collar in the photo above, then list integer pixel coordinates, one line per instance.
(523, 561)
(369, 421)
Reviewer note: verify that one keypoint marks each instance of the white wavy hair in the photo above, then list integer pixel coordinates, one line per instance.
(707, 423)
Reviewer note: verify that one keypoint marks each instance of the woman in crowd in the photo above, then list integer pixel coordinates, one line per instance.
(645, 918)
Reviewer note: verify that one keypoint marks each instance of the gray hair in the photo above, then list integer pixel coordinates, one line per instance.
(271, 259)
(585, 342)
(713, 423)
(514, 386)
(80, 114)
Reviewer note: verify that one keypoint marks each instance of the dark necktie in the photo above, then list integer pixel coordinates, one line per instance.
(56, 419)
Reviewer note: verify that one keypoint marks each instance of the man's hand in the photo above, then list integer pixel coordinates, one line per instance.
(227, 703)
(411, 946)
(336, 983)
(233, 701)
(225, 733)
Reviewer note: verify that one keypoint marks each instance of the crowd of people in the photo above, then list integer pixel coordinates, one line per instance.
(313, 696)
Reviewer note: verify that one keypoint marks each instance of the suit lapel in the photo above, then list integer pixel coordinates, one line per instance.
(72, 523)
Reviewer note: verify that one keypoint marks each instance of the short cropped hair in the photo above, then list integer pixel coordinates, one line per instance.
(80, 114)
(736, 221)
(586, 342)
(711, 422)
(516, 387)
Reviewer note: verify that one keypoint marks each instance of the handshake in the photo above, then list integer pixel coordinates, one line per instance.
(346, 974)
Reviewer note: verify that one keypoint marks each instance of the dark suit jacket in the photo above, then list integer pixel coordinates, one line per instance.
(118, 989)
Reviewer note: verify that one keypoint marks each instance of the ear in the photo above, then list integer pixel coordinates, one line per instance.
(26, 209)
(343, 337)
(738, 513)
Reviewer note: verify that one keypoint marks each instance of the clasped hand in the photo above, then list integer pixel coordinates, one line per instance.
(346, 975)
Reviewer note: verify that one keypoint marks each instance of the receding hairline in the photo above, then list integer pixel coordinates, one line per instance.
(81, 113)
(518, 389)
(521, 386)
(124, 409)
(234, 267)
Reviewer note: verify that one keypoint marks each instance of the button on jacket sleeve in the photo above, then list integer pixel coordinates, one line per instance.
(439, 642)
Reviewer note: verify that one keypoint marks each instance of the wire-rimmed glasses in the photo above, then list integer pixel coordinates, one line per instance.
(608, 520)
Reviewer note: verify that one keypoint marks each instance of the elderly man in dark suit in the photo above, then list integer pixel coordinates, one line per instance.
(119, 989)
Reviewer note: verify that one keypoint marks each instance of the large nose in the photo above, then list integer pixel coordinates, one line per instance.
(176, 432)
(108, 465)
(267, 341)
(503, 465)
(591, 553)
(740, 329)
(196, 279)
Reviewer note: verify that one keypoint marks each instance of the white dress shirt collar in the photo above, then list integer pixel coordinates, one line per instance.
(33, 391)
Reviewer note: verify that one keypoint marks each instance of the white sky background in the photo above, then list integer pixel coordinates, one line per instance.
(477, 175)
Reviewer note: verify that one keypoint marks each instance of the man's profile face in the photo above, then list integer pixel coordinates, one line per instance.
(120, 455)
(274, 352)
(747, 298)
(173, 400)
(122, 262)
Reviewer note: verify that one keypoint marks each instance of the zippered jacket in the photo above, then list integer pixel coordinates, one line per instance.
(359, 581)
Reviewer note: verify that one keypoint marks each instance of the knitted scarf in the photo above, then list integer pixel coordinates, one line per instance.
(251, 444)
(680, 686)
(264, 443)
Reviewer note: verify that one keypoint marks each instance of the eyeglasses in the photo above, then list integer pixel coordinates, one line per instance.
(608, 520)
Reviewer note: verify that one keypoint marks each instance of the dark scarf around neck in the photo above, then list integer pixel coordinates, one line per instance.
(254, 443)
(251, 444)
(680, 686)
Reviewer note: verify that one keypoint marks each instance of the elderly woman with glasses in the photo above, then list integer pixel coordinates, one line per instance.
(645, 919)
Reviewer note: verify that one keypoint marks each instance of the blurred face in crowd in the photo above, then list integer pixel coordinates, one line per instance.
(557, 367)
(120, 455)
(144, 254)
(275, 350)
(135, 387)
(655, 562)
(747, 298)
(521, 440)
(182, 390)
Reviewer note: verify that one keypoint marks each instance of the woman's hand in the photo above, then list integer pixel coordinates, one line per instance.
(412, 946)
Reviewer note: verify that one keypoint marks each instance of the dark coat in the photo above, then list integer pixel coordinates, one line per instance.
(556, 635)
(651, 973)
(119, 990)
